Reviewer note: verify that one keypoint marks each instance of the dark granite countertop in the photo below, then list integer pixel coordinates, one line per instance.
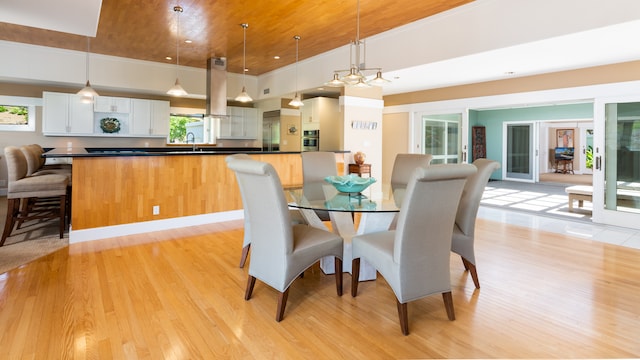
(157, 151)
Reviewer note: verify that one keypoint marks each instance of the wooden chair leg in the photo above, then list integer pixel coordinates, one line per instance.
(472, 270)
(338, 269)
(245, 253)
(282, 303)
(13, 206)
(355, 276)
(464, 263)
(251, 282)
(448, 304)
(404, 317)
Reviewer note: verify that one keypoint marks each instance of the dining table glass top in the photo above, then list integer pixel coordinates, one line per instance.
(333, 200)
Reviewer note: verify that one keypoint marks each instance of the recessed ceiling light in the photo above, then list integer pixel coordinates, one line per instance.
(246, 69)
(277, 57)
(188, 41)
(169, 58)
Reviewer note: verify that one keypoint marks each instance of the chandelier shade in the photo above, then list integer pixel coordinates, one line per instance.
(177, 89)
(244, 96)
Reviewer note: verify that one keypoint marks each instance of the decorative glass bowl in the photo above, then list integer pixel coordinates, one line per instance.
(350, 183)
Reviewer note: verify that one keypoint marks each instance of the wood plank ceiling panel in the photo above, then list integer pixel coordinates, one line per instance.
(145, 30)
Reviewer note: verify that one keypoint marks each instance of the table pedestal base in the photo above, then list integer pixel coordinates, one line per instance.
(342, 224)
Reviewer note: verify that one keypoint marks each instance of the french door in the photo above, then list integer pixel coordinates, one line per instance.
(519, 151)
(586, 148)
(442, 138)
(616, 179)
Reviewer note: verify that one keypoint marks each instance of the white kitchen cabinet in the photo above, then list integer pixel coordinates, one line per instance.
(309, 115)
(109, 104)
(149, 118)
(323, 114)
(240, 123)
(160, 116)
(66, 114)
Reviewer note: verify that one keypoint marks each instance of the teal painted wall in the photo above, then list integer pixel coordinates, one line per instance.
(493, 121)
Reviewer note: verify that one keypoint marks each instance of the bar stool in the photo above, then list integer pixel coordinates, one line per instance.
(25, 188)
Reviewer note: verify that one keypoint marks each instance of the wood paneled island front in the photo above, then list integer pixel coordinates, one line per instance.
(115, 194)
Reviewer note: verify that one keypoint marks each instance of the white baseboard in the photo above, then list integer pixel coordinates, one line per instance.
(77, 236)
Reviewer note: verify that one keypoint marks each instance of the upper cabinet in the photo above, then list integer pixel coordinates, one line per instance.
(149, 117)
(240, 123)
(108, 104)
(67, 115)
(318, 111)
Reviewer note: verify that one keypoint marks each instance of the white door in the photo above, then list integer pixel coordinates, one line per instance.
(520, 151)
(616, 174)
(442, 138)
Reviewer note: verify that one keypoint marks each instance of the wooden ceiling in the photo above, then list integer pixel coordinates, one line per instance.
(146, 29)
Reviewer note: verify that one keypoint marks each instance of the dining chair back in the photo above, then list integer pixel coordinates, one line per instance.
(403, 167)
(296, 216)
(316, 165)
(281, 251)
(414, 258)
(464, 229)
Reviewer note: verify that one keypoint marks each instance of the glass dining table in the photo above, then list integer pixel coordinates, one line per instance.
(377, 210)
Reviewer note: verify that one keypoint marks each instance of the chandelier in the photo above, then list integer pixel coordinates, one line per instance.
(355, 75)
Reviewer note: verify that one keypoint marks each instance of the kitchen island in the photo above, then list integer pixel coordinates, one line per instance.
(119, 192)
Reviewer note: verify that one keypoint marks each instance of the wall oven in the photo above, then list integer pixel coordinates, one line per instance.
(310, 140)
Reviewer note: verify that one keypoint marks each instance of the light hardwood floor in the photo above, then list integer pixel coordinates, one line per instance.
(179, 295)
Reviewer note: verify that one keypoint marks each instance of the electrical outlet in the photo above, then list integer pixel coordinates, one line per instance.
(156, 210)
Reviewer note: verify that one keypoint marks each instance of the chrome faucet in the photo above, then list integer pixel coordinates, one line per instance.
(193, 139)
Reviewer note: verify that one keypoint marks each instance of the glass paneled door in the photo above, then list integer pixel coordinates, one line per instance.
(617, 170)
(441, 137)
(586, 151)
(519, 150)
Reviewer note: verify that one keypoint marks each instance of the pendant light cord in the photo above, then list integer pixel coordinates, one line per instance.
(244, 53)
(297, 37)
(178, 10)
(88, 50)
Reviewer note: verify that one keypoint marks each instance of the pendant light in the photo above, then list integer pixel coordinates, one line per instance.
(87, 92)
(177, 90)
(297, 102)
(244, 96)
(355, 73)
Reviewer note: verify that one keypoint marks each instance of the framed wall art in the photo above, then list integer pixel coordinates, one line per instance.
(565, 138)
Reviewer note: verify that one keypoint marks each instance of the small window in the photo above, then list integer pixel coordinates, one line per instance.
(18, 113)
(181, 125)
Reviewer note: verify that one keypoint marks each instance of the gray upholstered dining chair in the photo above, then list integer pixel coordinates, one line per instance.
(462, 242)
(316, 165)
(414, 259)
(281, 251)
(296, 217)
(23, 188)
(403, 167)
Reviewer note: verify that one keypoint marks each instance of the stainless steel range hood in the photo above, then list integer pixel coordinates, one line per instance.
(217, 87)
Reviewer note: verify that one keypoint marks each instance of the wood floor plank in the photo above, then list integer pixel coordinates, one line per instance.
(179, 294)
